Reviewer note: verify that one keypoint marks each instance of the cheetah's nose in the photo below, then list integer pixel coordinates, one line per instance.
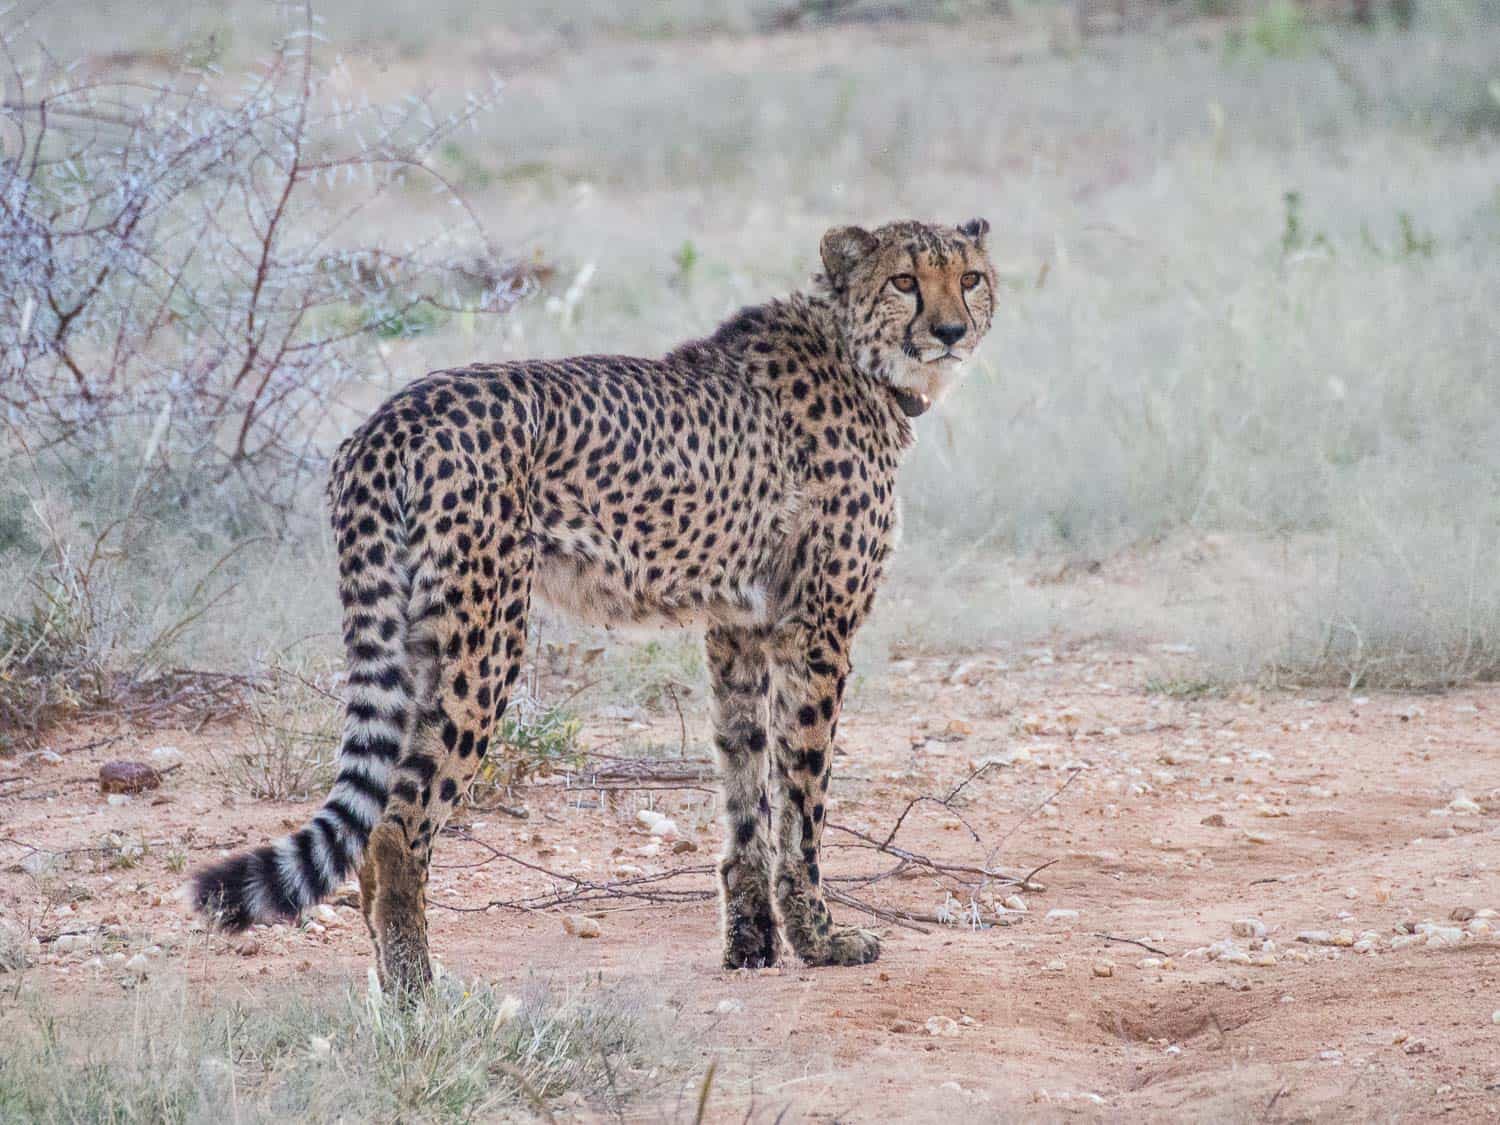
(949, 334)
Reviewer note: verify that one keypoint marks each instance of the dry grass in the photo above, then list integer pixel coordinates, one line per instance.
(170, 1053)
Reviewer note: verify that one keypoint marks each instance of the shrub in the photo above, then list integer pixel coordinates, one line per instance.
(177, 264)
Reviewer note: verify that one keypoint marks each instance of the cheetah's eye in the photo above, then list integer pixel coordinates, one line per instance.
(971, 279)
(904, 283)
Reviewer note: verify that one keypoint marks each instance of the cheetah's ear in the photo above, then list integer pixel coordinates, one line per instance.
(975, 230)
(843, 247)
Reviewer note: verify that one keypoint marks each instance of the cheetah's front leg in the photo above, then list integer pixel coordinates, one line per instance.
(809, 689)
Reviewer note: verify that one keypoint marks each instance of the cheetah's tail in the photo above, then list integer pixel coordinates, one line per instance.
(276, 882)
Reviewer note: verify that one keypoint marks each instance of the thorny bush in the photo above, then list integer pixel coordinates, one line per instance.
(181, 265)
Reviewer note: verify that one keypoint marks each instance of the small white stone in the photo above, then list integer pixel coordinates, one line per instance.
(117, 799)
(1445, 935)
(165, 757)
(1332, 1056)
(942, 1026)
(1149, 963)
(1248, 928)
(1464, 805)
(138, 965)
(580, 925)
(1015, 902)
(1060, 915)
(729, 1006)
(326, 914)
(319, 1047)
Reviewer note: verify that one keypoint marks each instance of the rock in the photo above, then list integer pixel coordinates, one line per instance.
(1464, 805)
(1445, 935)
(1150, 963)
(1333, 1056)
(245, 945)
(1056, 965)
(682, 846)
(656, 823)
(326, 914)
(64, 944)
(138, 965)
(580, 925)
(127, 777)
(1317, 937)
(165, 757)
(729, 1007)
(1257, 838)
(115, 800)
(942, 1027)
(1495, 1016)
(1461, 914)
(1060, 915)
(319, 1047)
(1248, 928)
(1014, 902)
(1213, 820)
(903, 1027)
(1104, 968)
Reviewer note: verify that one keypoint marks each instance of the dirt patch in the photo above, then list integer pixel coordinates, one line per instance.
(1372, 820)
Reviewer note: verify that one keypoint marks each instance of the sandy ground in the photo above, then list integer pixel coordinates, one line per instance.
(1360, 818)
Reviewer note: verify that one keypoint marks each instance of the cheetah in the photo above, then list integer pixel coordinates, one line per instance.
(744, 482)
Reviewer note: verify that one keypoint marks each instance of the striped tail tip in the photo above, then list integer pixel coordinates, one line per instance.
(242, 890)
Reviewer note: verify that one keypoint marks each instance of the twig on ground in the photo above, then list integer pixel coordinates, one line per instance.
(1132, 941)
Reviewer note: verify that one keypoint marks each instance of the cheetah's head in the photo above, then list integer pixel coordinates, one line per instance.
(914, 300)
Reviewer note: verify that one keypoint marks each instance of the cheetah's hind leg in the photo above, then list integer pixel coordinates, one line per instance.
(740, 671)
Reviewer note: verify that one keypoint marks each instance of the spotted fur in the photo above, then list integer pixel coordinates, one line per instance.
(745, 482)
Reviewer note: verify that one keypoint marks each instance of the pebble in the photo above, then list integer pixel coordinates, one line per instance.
(942, 1027)
(65, 944)
(165, 757)
(138, 965)
(1014, 902)
(580, 925)
(1104, 968)
(1464, 805)
(1150, 963)
(656, 823)
(1343, 938)
(729, 1006)
(1248, 928)
(1060, 915)
(1445, 935)
(1056, 965)
(1495, 1016)
(127, 777)
(326, 914)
